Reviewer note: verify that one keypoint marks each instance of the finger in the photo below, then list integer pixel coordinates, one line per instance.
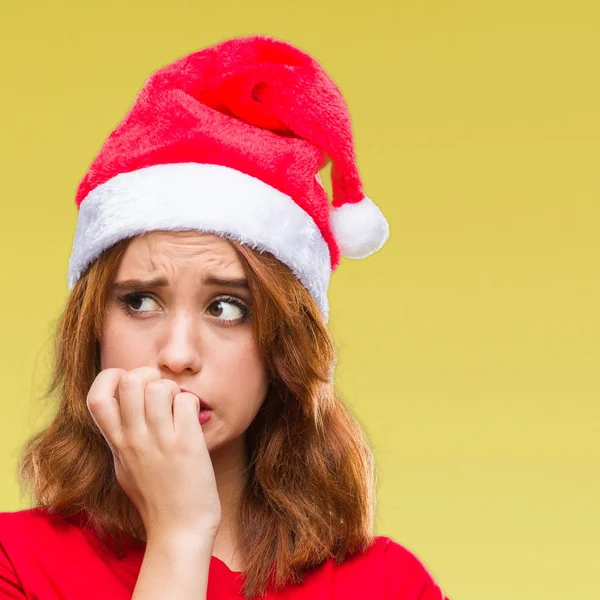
(159, 407)
(186, 407)
(131, 391)
(104, 407)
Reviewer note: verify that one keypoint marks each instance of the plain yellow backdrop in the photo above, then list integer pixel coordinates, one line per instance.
(469, 346)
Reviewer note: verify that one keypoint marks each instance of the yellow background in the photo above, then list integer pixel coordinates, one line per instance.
(469, 346)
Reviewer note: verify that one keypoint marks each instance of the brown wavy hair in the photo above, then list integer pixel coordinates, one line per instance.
(310, 493)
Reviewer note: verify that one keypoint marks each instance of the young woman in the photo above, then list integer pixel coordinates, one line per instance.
(199, 449)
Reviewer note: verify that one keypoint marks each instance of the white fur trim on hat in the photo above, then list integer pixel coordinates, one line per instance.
(204, 197)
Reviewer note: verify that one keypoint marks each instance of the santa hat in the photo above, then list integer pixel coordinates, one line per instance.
(230, 140)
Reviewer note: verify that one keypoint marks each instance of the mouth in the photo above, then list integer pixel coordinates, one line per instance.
(203, 405)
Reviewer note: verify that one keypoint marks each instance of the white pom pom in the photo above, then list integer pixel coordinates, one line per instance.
(360, 229)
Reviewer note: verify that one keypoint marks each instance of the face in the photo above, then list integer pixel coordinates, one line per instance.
(193, 327)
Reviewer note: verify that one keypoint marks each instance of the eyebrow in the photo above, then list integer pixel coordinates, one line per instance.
(158, 282)
(234, 282)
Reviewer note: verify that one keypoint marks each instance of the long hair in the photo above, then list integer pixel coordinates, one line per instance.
(310, 493)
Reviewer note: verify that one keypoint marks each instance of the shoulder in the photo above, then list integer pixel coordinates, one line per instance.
(24, 534)
(34, 537)
(37, 548)
(19, 528)
(20, 522)
(27, 516)
(38, 522)
(389, 571)
(41, 531)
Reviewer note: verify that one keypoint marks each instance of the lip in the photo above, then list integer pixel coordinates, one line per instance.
(203, 405)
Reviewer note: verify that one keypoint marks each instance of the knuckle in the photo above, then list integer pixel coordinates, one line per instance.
(173, 386)
(155, 386)
(185, 398)
(94, 402)
(108, 373)
(129, 378)
(163, 386)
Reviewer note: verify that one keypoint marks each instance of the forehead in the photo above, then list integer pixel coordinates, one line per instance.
(193, 250)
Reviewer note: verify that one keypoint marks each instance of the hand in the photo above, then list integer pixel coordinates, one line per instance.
(160, 454)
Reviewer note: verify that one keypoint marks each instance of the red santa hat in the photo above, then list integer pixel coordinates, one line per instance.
(230, 140)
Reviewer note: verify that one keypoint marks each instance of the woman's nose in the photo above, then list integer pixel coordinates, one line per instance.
(180, 345)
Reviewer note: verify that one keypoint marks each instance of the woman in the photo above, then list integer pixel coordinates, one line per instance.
(199, 449)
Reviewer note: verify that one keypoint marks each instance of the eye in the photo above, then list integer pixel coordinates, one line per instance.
(134, 303)
(228, 309)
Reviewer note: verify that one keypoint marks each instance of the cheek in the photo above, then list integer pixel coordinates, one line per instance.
(242, 377)
(119, 346)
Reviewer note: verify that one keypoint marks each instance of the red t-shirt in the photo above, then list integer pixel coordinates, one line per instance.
(44, 557)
